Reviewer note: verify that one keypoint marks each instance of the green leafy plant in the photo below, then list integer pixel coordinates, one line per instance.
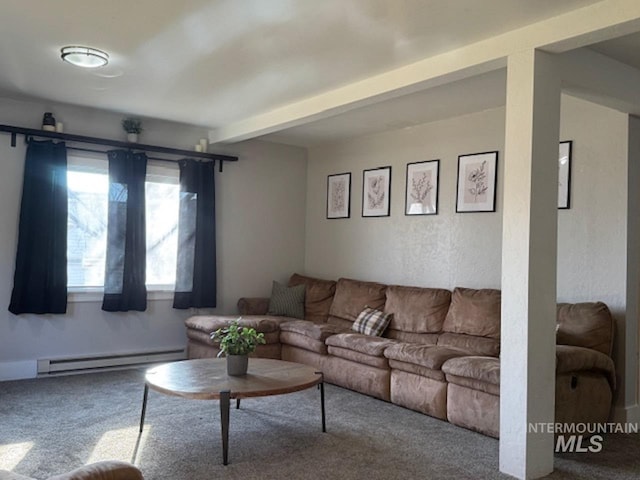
(236, 339)
(132, 125)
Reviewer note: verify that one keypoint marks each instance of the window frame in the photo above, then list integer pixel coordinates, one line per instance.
(157, 172)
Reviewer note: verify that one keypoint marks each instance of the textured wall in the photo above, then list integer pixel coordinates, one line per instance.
(441, 250)
(454, 249)
(260, 236)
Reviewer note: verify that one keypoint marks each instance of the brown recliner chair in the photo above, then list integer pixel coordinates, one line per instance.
(108, 470)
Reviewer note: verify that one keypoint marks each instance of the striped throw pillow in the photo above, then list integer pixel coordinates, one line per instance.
(287, 301)
(372, 322)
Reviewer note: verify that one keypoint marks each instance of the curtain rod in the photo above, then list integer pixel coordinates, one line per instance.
(32, 132)
(157, 159)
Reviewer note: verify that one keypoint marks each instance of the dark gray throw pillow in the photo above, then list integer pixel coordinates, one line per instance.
(287, 301)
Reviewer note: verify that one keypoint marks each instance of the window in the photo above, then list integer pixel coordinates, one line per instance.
(88, 188)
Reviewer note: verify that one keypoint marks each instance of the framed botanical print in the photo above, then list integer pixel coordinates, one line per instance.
(339, 195)
(477, 176)
(421, 192)
(376, 192)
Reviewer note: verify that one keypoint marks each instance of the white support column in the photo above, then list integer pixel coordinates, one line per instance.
(529, 263)
(629, 331)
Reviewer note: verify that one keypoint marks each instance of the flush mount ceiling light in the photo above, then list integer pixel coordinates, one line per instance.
(85, 57)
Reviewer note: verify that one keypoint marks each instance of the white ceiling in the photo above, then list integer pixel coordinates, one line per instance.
(215, 62)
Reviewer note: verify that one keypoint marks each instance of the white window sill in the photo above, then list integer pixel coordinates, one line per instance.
(96, 295)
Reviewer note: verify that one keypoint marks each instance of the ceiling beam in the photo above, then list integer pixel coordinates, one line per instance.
(597, 22)
(600, 79)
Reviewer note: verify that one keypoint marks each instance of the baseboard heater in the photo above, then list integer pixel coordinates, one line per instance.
(57, 366)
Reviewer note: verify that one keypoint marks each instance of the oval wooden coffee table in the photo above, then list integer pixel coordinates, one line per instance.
(207, 379)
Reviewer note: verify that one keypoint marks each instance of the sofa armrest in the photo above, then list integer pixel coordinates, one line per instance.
(579, 359)
(253, 305)
(107, 470)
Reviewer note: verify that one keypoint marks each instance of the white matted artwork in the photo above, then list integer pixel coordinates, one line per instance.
(339, 195)
(564, 175)
(376, 192)
(477, 176)
(421, 194)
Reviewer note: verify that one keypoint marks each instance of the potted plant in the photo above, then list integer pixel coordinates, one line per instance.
(236, 343)
(133, 127)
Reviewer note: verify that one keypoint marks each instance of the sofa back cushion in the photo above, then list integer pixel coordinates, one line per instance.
(417, 310)
(588, 325)
(318, 296)
(351, 297)
(474, 312)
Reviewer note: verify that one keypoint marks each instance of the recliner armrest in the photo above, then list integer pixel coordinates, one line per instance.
(579, 359)
(253, 305)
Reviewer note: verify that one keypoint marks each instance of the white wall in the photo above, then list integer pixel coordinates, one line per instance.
(454, 249)
(441, 250)
(260, 236)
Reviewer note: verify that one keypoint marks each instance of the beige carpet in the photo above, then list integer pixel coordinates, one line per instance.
(52, 425)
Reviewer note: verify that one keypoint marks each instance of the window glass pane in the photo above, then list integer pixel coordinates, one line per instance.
(162, 203)
(88, 187)
(86, 228)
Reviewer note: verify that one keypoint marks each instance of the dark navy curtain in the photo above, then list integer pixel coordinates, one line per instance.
(40, 278)
(124, 284)
(196, 269)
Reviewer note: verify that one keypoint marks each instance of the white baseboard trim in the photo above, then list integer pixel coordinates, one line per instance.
(630, 414)
(18, 370)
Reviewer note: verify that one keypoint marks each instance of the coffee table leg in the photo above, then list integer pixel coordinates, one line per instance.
(144, 406)
(237, 403)
(321, 387)
(225, 400)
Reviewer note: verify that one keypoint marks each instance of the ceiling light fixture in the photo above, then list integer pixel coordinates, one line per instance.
(85, 57)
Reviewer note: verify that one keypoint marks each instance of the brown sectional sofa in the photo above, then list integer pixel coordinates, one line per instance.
(439, 354)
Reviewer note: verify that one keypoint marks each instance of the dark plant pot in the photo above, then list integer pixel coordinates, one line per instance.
(237, 365)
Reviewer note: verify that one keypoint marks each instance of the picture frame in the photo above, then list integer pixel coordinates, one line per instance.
(339, 195)
(564, 175)
(376, 192)
(477, 181)
(421, 188)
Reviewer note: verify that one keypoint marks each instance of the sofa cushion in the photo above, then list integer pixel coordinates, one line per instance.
(253, 305)
(357, 357)
(203, 337)
(588, 325)
(417, 310)
(477, 373)
(416, 369)
(352, 296)
(470, 343)
(374, 346)
(304, 342)
(474, 312)
(424, 355)
(480, 368)
(287, 301)
(318, 296)
(570, 359)
(371, 322)
(210, 323)
(316, 331)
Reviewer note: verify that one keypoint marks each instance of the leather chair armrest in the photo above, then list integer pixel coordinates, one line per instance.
(108, 470)
(253, 305)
